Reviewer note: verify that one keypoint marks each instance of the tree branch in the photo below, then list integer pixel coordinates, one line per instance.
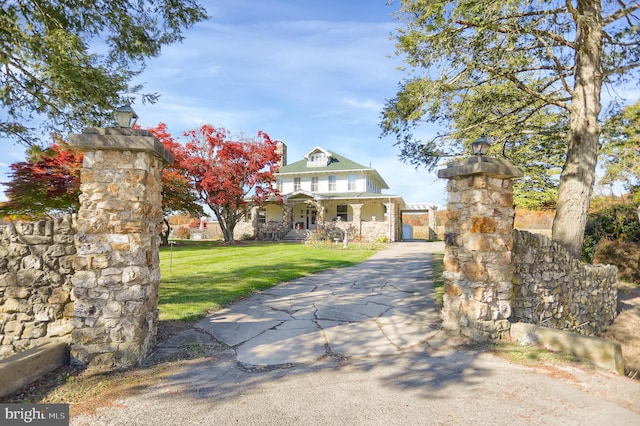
(619, 70)
(621, 13)
(522, 86)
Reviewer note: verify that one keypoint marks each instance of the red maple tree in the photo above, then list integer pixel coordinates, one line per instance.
(228, 174)
(47, 183)
(178, 193)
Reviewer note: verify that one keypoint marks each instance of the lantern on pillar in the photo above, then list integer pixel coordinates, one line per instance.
(481, 146)
(126, 116)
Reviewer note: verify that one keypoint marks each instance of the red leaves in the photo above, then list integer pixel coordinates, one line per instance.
(178, 194)
(227, 172)
(211, 168)
(47, 182)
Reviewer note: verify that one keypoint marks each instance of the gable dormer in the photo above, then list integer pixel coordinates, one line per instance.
(318, 157)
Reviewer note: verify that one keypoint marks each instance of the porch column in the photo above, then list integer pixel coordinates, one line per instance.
(287, 216)
(433, 226)
(392, 221)
(357, 217)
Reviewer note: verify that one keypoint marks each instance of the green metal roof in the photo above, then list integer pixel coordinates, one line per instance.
(338, 163)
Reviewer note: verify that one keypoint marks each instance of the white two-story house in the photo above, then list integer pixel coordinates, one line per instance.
(327, 195)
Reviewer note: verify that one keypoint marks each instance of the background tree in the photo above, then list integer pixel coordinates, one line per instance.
(556, 54)
(67, 62)
(620, 154)
(528, 135)
(47, 183)
(226, 173)
(178, 193)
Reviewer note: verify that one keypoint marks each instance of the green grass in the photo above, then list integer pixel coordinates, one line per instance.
(437, 267)
(200, 277)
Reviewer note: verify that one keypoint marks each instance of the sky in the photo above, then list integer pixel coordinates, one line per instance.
(308, 73)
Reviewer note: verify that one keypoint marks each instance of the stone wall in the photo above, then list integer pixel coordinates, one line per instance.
(375, 231)
(36, 301)
(553, 289)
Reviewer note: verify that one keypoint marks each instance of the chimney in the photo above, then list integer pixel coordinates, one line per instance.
(281, 149)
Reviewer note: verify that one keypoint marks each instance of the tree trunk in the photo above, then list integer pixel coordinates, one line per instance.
(230, 225)
(227, 225)
(578, 174)
(164, 235)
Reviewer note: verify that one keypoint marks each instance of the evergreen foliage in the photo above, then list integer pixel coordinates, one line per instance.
(65, 64)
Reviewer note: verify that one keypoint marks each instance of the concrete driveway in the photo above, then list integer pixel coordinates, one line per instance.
(360, 346)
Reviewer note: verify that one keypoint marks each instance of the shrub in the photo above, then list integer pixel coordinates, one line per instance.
(625, 255)
(183, 233)
(618, 222)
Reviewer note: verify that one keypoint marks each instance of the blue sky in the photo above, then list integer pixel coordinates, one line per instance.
(308, 73)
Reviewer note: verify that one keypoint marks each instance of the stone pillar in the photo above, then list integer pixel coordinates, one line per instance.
(117, 241)
(392, 232)
(356, 208)
(433, 224)
(478, 239)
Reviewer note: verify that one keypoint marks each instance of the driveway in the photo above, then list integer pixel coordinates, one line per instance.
(360, 346)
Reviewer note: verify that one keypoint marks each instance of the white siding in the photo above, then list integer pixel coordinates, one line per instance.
(362, 183)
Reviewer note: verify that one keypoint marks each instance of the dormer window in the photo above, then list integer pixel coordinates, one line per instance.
(318, 159)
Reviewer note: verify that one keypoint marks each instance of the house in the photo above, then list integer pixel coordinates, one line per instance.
(326, 195)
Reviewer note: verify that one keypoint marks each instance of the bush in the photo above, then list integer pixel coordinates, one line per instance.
(618, 222)
(183, 233)
(625, 255)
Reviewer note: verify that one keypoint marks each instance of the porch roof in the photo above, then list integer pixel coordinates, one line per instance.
(341, 196)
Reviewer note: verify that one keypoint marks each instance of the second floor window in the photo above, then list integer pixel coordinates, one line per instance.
(279, 184)
(332, 183)
(317, 160)
(296, 184)
(314, 184)
(351, 180)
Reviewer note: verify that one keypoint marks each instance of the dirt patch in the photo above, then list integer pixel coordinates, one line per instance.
(168, 329)
(87, 389)
(626, 328)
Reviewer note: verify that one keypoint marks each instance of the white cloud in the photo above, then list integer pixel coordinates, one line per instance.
(367, 104)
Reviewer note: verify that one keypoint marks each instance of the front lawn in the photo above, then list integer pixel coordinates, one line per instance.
(202, 276)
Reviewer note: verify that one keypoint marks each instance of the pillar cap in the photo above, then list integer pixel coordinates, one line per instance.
(481, 165)
(120, 139)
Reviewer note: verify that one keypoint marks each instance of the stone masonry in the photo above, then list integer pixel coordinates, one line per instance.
(553, 289)
(36, 265)
(117, 265)
(477, 263)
